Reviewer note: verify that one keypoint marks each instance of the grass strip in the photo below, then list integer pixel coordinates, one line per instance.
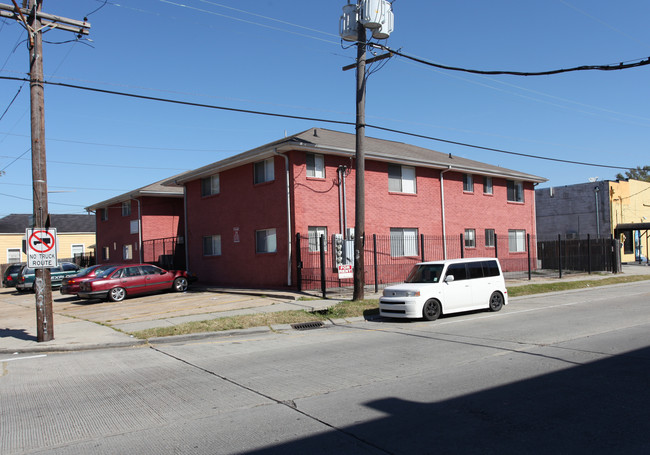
(350, 309)
(540, 288)
(339, 311)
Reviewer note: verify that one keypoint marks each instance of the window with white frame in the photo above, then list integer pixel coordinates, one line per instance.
(315, 233)
(401, 179)
(490, 238)
(517, 240)
(470, 238)
(212, 245)
(264, 171)
(126, 208)
(315, 165)
(266, 241)
(210, 185)
(468, 183)
(13, 255)
(515, 191)
(76, 248)
(127, 252)
(135, 226)
(403, 242)
(106, 253)
(487, 185)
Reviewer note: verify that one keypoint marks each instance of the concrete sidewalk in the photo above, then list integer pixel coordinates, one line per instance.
(80, 325)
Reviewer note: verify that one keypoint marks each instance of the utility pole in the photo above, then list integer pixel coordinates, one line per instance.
(35, 21)
(377, 15)
(42, 281)
(360, 181)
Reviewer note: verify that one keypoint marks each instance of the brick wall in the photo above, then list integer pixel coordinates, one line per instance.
(241, 208)
(161, 218)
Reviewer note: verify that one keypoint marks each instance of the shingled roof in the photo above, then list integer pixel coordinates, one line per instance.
(329, 142)
(153, 190)
(18, 223)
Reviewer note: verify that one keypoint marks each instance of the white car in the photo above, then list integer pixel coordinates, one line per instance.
(444, 287)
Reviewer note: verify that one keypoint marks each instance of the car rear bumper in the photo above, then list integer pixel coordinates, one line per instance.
(92, 295)
(69, 290)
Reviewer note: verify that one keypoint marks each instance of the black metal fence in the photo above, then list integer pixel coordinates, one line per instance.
(167, 253)
(388, 259)
(84, 259)
(579, 255)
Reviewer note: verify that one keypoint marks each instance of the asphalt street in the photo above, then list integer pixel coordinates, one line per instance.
(556, 373)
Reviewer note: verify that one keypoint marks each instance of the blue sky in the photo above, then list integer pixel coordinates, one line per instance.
(286, 57)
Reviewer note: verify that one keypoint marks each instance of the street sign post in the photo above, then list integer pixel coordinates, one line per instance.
(41, 248)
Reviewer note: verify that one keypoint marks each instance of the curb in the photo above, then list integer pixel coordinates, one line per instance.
(40, 349)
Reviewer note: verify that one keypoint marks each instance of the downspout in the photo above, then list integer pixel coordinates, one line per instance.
(596, 190)
(345, 206)
(186, 239)
(289, 240)
(339, 172)
(534, 226)
(97, 247)
(442, 204)
(139, 229)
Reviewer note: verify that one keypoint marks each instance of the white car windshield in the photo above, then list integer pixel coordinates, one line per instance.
(425, 273)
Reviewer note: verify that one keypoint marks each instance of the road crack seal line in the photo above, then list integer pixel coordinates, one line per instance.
(288, 403)
(471, 341)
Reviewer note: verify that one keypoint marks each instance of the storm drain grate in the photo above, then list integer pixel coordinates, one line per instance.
(307, 325)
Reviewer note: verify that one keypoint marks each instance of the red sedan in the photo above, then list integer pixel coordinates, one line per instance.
(118, 282)
(72, 285)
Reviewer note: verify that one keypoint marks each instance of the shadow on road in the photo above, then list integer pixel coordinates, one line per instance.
(600, 407)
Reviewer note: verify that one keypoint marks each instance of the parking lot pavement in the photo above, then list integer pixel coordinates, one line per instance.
(91, 324)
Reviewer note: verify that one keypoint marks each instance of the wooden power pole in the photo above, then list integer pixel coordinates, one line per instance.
(359, 280)
(35, 21)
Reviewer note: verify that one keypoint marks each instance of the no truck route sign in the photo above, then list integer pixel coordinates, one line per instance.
(41, 248)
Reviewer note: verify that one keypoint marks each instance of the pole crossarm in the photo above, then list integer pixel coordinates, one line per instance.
(368, 61)
(50, 20)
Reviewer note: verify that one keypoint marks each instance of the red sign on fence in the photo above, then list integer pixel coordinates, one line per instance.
(346, 271)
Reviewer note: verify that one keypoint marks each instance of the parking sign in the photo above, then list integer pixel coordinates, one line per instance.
(41, 248)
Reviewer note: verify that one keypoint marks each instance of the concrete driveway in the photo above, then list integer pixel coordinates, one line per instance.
(85, 324)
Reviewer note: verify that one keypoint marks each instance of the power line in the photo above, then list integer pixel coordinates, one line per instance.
(315, 119)
(67, 187)
(263, 17)
(490, 149)
(594, 18)
(138, 147)
(17, 158)
(615, 67)
(100, 165)
(254, 23)
(12, 101)
(29, 199)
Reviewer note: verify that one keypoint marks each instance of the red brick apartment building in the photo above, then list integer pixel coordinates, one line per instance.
(143, 225)
(242, 214)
